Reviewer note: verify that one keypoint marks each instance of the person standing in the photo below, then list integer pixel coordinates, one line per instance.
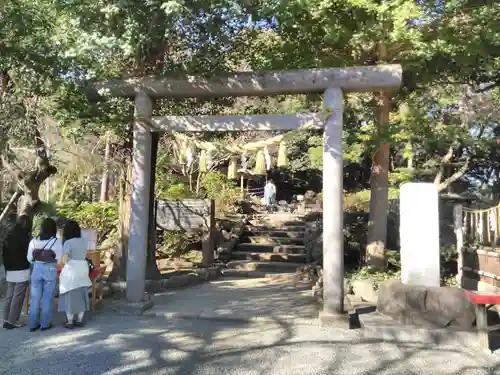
(269, 195)
(17, 267)
(44, 252)
(74, 281)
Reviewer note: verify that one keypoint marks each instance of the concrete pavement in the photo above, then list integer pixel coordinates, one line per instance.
(132, 345)
(239, 299)
(285, 340)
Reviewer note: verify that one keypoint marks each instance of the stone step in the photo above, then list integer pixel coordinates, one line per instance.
(276, 233)
(263, 248)
(274, 228)
(270, 257)
(282, 276)
(249, 265)
(268, 240)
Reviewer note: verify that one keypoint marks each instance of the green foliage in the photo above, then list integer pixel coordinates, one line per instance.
(376, 277)
(448, 274)
(100, 216)
(218, 187)
(177, 190)
(175, 244)
(401, 176)
(360, 201)
(303, 148)
(44, 211)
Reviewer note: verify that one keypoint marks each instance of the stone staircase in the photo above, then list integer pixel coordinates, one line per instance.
(270, 244)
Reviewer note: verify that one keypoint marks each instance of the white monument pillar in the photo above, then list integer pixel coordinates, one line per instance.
(459, 233)
(139, 216)
(419, 234)
(333, 210)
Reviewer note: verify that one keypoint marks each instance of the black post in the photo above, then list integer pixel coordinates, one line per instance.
(152, 272)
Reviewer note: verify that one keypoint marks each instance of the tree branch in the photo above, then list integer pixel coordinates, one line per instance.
(445, 160)
(12, 169)
(455, 176)
(489, 87)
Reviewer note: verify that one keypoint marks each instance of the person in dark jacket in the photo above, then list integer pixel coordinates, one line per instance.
(17, 267)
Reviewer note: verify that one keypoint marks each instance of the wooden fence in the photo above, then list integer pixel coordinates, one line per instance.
(478, 234)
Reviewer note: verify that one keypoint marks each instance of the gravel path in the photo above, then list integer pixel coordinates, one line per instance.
(113, 344)
(150, 345)
(241, 299)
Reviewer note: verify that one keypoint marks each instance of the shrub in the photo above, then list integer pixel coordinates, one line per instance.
(177, 190)
(376, 277)
(44, 210)
(174, 244)
(218, 187)
(100, 216)
(360, 201)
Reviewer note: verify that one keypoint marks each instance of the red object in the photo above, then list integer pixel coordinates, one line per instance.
(482, 299)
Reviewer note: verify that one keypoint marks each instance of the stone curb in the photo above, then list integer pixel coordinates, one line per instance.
(129, 308)
(288, 276)
(173, 282)
(182, 281)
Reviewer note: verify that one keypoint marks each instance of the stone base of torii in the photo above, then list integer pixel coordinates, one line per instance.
(331, 81)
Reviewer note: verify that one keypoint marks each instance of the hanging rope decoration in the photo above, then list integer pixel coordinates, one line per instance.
(260, 163)
(267, 156)
(210, 158)
(183, 145)
(189, 156)
(282, 155)
(188, 146)
(244, 160)
(203, 161)
(232, 168)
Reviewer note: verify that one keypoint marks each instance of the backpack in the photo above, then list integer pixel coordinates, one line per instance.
(45, 255)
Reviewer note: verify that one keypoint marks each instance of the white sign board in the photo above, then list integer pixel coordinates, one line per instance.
(90, 235)
(419, 234)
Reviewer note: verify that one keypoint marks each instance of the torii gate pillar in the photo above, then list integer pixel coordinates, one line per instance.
(140, 202)
(333, 210)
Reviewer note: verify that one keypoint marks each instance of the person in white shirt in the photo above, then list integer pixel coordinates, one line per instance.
(269, 195)
(74, 281)
(15, 249)
(44, 252)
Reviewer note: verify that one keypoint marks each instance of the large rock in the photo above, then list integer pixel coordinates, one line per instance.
(365, 290)
(425, 306)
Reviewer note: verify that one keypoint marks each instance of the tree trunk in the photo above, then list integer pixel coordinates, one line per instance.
(410, 156)
(379, 181)
(30, 182)
(63, 190)
(377, 227)
(10, 205)
(152, 272)
(1, 185)
(112, 187)
(105, 172)
(119, 271)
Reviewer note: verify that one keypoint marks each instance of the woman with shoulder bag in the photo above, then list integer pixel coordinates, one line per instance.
(15, 249)
(44, 252)
(74, 281)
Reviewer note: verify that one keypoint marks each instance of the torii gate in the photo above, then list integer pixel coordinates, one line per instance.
(331, 81)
